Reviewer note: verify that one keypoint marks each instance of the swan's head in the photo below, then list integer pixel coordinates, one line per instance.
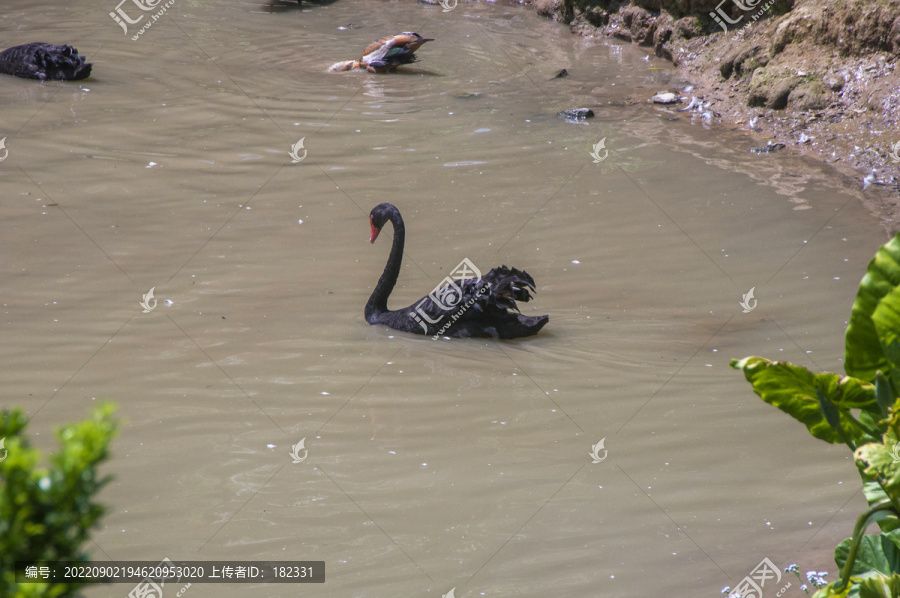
(378, 216)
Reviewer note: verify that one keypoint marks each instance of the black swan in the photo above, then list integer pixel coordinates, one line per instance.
(45, 62)
(472, 307)
(386, 54)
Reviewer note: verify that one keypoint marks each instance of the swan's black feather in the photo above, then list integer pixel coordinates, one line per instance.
(473, 307)
(43, 61)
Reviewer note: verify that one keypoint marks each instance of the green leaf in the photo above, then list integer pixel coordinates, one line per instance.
(887, 326)
(876, 553)
(878, 425)
(864, 354)
(877, 586)
(881, 462)
(875, 493)
(797, 391)
(883, 393)
(880, 586)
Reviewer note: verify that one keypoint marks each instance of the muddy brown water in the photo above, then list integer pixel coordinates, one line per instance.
(432, 466)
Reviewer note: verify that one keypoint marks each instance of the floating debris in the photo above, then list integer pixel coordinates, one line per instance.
(576, 114)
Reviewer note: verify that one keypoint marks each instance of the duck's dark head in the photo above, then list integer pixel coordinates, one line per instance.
(415, 38)
(378, 216)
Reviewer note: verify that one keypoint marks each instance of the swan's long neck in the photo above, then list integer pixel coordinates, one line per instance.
(377, 303)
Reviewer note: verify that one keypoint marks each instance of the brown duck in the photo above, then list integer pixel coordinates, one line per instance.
(385, 54)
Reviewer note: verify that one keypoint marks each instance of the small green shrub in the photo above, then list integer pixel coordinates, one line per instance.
(46, 513)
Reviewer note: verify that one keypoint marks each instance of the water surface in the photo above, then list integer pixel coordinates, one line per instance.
(431, 465)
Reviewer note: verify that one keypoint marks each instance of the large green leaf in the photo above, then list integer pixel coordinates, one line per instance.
(887, 326)
(880, 586)
(802, 394)
(881, 462)
(864, 354)
(875, 493)
(876, 553)
(884, 394)
(872, 490)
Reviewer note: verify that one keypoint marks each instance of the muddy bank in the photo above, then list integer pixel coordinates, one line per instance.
(819, 76)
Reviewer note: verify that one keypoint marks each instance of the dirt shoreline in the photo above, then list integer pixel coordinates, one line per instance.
(819, 76)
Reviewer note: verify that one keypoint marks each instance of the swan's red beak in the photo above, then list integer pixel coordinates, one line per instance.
(375, 231)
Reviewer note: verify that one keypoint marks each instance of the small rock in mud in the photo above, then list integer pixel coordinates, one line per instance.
(576, 114)
(767, 149)
(771, 87)
(664, 97)
(560, 74)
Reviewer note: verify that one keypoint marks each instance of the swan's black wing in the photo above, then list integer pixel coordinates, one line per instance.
(509, 285)
(44, 61)
(495, 312)
(474, 307)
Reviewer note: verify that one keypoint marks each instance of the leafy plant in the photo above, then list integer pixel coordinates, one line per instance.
(46, 513)
(861, 410)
